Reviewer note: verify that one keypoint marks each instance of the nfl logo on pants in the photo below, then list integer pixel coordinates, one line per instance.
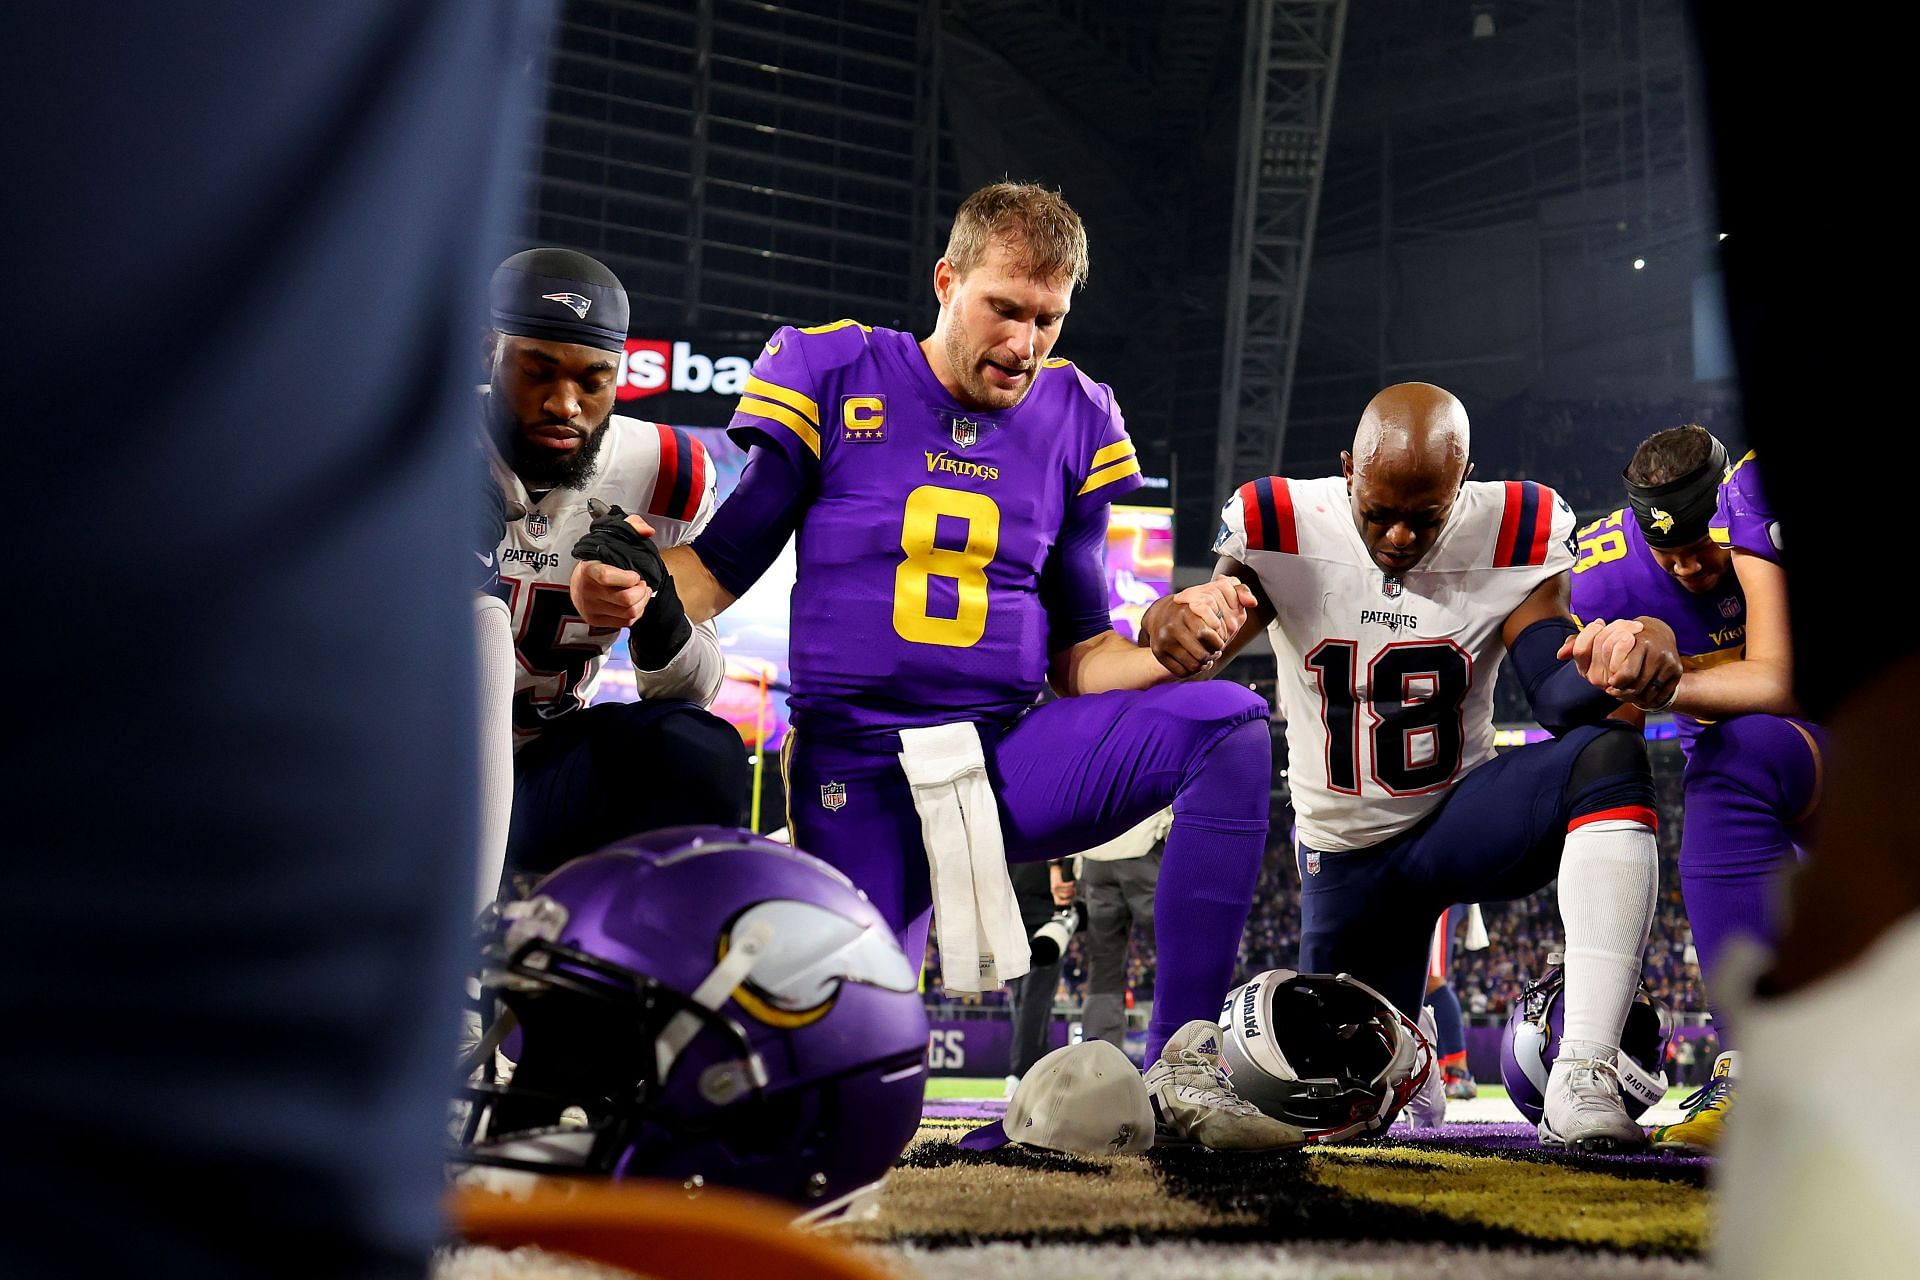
(833, 795)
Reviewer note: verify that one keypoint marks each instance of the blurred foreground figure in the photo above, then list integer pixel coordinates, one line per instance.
(1823, 1181)
(246, 245)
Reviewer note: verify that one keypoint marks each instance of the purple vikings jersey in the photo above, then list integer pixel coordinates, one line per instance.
(1617, 577)
(919, 596)
(1743, 518)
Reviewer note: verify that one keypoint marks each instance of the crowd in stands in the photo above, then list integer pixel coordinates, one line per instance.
(1522, 934)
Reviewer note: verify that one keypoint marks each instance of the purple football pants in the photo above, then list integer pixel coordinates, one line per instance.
(1068, 776)
(1749, 782)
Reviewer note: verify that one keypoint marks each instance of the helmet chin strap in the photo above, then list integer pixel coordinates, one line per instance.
(743, 954)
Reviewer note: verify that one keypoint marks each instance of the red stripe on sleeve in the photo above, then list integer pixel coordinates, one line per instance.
(1626, 813)
(1283, 511)
(699, 486)
(1509, 526)
(1250, 517)
(669, 468)
(1542, 526)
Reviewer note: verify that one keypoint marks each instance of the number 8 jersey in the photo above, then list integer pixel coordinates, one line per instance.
(925, 543)
(1387, 683)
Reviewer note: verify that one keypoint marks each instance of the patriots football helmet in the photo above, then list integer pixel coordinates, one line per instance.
(1323, 1052)
(1531, 1042)
(705, 1005)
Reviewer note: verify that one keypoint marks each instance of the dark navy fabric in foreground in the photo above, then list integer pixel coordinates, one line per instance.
(246, 256)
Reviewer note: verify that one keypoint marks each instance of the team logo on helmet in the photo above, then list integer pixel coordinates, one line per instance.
(1661, 522)
(833, 796)
(966, 432)
(537, 524)
(571, 301)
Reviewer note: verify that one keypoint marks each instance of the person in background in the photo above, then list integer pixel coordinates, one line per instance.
(1117, 881)
(1041, 892)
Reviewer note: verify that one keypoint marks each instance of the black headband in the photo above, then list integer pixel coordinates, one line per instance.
(561, 296)
(1676, 514)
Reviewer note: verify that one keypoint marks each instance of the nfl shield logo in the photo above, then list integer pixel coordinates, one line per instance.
(1390, 588)
(833, 796)
(1313, 862)
(537, 523)
(1729, 606)
(965, 432)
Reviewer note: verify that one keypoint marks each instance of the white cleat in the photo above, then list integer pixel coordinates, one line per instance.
(1585, 1108)
(1427, 1109)
(1194, 1102)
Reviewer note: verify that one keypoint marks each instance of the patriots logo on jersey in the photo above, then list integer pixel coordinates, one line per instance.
(1220, 538)
(833, 796)
(537, 523)
(571, 301)
(966, 432)
(1661, 522)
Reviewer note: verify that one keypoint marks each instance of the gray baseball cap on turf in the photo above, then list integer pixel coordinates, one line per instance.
(1084, 1099)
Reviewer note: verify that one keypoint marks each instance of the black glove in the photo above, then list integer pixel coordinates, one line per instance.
(662, 630)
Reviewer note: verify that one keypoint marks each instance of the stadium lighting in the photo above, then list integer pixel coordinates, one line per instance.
(1639, 264)
(1723, 235)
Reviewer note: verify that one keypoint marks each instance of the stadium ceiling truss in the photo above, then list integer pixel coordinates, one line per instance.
(745, 163)
(1291, 68)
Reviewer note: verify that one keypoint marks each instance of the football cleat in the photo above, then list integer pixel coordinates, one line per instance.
(1460, 1083)
(1585, 1110)
(1427, 1109)
(1194, 1102)
(1703, 1128)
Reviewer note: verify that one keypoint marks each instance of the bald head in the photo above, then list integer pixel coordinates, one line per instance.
(1408, 462)
(1416, 429)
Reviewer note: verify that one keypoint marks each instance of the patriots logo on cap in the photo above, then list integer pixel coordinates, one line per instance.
(1661, 522)
(571, 301)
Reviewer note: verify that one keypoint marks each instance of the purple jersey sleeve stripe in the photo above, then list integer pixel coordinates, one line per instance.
(768, 411)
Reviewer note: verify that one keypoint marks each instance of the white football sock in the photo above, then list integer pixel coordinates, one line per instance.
(493, 635)
(1609, 877)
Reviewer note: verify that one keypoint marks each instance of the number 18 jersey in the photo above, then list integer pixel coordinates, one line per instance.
(1387, 682)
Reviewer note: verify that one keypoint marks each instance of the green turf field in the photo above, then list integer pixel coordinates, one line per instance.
(968, 1088)
(950, 1088)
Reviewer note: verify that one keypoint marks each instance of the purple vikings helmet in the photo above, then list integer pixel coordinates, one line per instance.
(1532, 1041)
(1323, 1052)
(701, 1004)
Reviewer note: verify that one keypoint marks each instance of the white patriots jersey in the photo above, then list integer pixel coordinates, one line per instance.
(662, 473)
(1387, 683)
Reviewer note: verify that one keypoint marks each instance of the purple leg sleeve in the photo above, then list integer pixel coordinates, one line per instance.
(1207, 877)
(1068, 776)
(1748, 780)
(1077, 772)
